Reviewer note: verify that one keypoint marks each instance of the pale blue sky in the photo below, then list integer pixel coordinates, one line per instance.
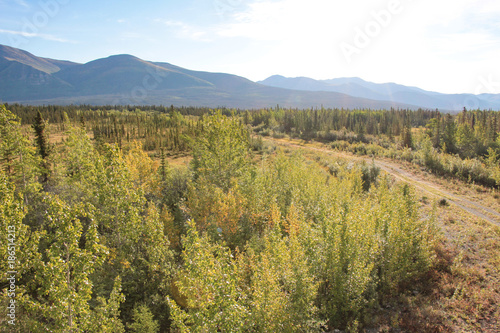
(446, 46)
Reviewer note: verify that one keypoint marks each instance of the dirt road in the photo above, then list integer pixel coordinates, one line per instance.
(426, 186)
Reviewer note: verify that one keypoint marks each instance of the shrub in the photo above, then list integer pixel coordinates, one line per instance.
(443, 202)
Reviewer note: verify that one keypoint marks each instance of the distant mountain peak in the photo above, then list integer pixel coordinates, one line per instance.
(276, 76)
(117, 59)
(123, 56)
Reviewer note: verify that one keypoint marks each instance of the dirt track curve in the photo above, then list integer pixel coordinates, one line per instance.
(426, 186)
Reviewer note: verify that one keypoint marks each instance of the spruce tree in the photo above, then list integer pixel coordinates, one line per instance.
(42, 143)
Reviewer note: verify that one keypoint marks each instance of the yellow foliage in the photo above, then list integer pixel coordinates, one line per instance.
(212, 208)
(274, 216)
(143, 170)
(292, 223)
(176, 294)
(125, 264)
(173, 232)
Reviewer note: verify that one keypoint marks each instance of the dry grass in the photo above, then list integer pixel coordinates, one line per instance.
(462, 291)
(179, 160)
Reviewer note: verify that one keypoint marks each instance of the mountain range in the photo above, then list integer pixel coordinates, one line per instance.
(393, 92)
(125, 79)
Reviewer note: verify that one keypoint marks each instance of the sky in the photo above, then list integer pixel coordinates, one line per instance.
(448, 46)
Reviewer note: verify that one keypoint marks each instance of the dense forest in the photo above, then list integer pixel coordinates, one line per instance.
(105, 235)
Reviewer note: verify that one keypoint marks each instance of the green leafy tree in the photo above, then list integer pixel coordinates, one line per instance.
(19, 254)
(63, 276)
(220, 154)
(283, 289)
(492, 160)
(143, 321)
(129, 225)
(406, 242)
(210, 283)
(17, 157)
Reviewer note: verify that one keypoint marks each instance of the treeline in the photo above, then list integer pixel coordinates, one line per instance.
(319, 123)
(55, 114)
(156, 130)
(464, 146)
(108, 240)
(118, 123)
(469, 134)
(156, 127)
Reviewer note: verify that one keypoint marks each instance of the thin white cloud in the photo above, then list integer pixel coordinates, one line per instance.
(187, 31)
(465, 42)
(35, 35)
(22, 3)
(137, 36)
(300, 37)
(284, 19)
(469, 31)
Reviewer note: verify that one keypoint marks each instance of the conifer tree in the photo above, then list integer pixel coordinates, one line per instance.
(42, 143)
(466, 140)
(406, 136)
(163, 165)
(41, 136)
